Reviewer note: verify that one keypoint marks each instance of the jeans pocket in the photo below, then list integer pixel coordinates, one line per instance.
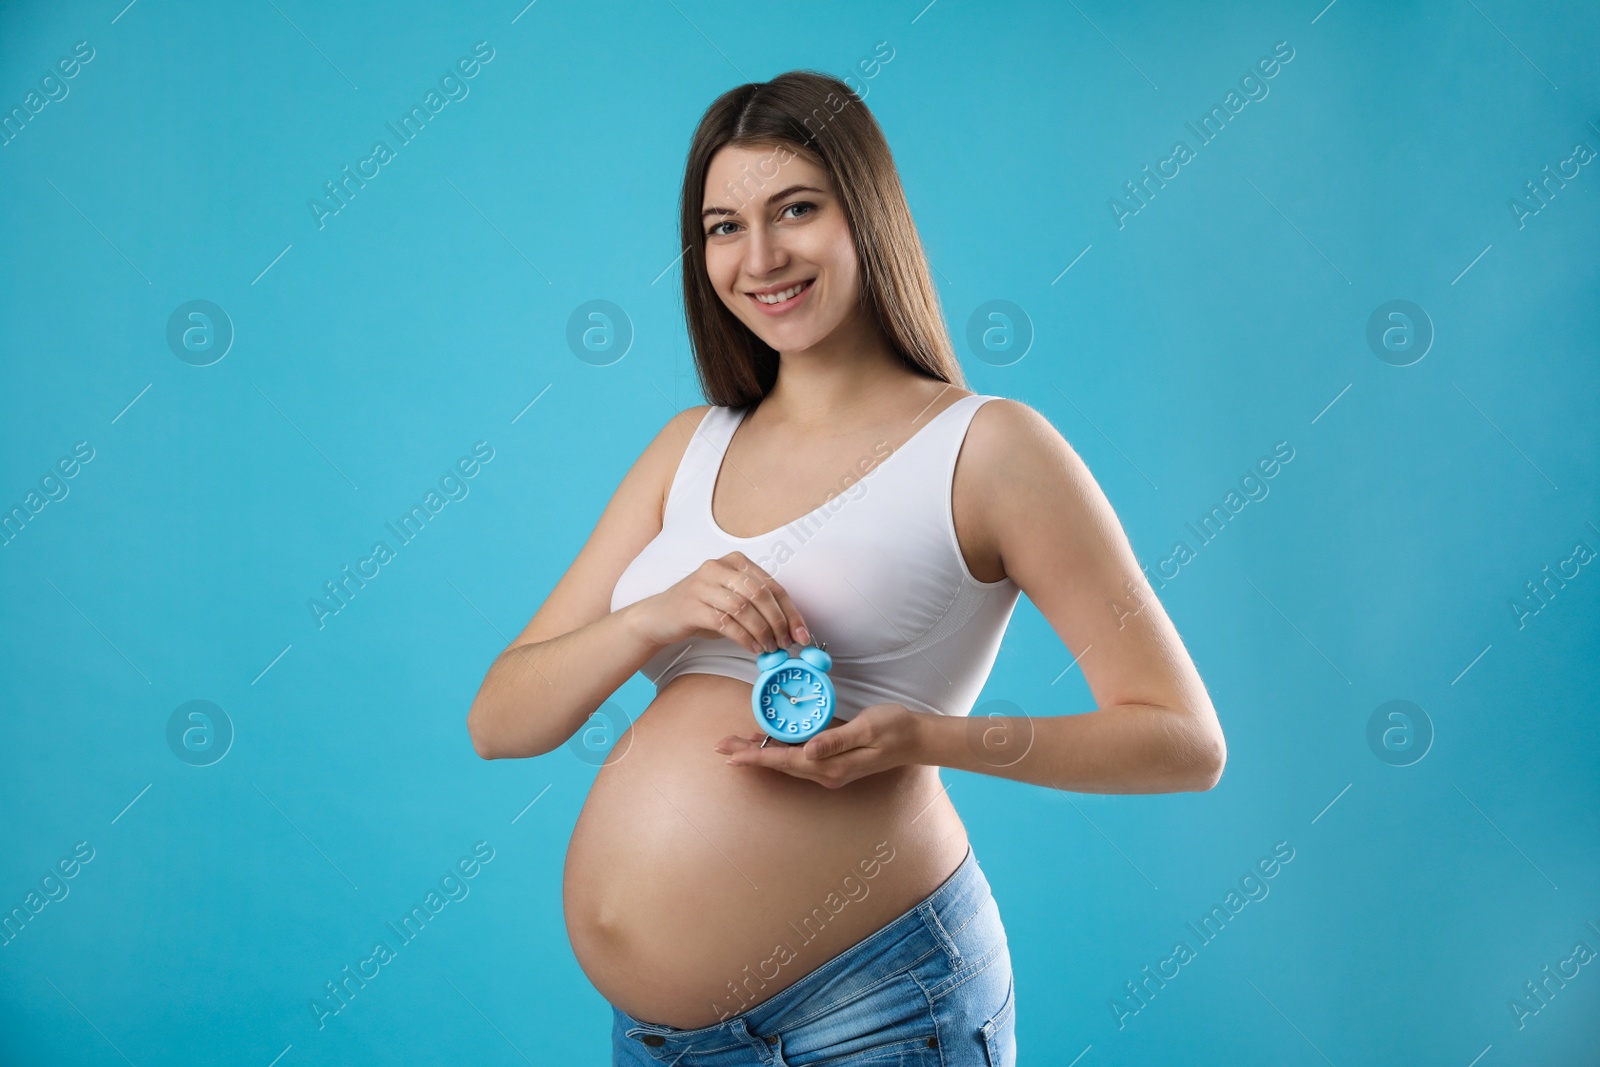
(892, 1023)
(999, 1032)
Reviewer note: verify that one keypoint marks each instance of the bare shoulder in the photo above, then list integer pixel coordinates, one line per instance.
(687, 419)
(1024, 488)
(678, 429)
(1056, 535)
(1010, 445)
(1010, 458)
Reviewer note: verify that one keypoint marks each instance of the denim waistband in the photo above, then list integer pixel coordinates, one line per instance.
(929, 926)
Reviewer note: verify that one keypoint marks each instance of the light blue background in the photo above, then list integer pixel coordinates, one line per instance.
(1227, 315)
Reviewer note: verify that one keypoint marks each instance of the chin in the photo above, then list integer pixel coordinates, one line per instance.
(785, 343)
(794, 337)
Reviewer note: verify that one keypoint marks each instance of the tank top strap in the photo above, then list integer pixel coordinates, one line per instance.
(943, 443)
(968, 407)
(691, 485)
(926, 481)
(931, 452)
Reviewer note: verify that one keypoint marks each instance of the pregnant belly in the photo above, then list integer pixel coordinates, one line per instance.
(694, 890)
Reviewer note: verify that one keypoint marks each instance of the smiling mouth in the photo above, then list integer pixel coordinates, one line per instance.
(784, 295)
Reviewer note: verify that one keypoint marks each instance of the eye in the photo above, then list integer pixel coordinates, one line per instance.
(805, 206)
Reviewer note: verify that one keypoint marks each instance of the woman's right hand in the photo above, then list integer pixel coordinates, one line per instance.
(729, 597)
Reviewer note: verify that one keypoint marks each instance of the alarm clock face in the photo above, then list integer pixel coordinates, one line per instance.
(796, 701)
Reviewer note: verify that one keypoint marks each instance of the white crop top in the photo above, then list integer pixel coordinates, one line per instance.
(876, 572)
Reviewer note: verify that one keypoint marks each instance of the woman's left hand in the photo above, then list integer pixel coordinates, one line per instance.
(879, 738)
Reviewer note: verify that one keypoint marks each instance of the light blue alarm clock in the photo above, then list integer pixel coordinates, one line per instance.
(793, 695)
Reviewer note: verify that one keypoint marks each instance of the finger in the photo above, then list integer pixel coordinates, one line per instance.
(754, 584)
(790, 625)
(760, 740)
(728, 607)
(845, 768)
(830, 743)
(786, 758)
(797, 625)
(734, 601)
(717, 609)
(834, 773)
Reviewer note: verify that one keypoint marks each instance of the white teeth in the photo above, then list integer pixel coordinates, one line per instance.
(778, 298)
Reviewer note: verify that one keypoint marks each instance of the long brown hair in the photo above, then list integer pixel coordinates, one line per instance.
(818, 117)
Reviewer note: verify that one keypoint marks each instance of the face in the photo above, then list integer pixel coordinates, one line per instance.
(773, 221)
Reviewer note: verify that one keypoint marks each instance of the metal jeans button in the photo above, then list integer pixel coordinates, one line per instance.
(653, 1040)
(771, 1039)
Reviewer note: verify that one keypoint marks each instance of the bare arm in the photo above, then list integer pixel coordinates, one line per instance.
(1121, 748)
(1154, 729)
(1028, 499)
(576, 651)
(537, 694)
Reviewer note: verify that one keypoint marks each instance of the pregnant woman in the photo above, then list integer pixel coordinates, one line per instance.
(817, 903)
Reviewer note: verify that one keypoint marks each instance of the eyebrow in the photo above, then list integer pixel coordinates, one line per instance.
(779, 195)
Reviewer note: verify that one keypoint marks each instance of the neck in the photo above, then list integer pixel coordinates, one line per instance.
(846, 373)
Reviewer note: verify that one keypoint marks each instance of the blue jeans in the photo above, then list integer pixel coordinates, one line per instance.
(933, 988)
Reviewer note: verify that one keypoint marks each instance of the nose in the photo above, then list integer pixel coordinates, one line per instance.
(763, 253)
